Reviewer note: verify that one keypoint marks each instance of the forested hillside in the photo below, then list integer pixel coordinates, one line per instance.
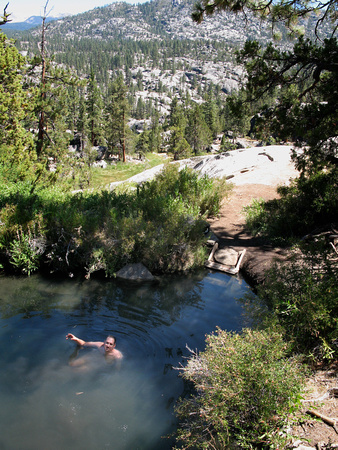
(160, 50)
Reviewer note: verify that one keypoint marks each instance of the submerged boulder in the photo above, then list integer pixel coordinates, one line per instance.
(137, 272)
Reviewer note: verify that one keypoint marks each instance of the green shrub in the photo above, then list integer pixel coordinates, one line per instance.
(245, 389)
(257, 217)
(199, 195)
(227, 144)
(303, 297)
(161, 223)
(305, 205)
(24, 253)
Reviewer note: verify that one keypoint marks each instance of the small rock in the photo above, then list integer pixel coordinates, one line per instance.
(305, 447)
(320, 445)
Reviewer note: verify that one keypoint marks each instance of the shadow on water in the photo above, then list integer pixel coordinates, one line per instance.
(45, 403)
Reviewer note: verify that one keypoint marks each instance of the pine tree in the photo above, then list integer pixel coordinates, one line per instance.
(51, 105)
(177, 116)
(198, 133)
(16, 144)
(5, 16)
(178, 145)
(94, 105)
(211, 114)
(155, 137)
(82, 119)
(142, 146)
(140, 109)
(117, 111)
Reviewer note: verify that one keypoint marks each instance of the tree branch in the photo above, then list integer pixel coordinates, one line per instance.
(5, 17)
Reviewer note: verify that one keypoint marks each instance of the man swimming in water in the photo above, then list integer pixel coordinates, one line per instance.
(108, 347)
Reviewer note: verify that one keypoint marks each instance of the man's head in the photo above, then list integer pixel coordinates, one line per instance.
(109, 343)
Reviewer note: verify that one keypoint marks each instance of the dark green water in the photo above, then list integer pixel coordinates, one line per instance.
(46, 404)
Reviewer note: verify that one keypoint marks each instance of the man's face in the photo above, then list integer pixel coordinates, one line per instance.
(109, 344)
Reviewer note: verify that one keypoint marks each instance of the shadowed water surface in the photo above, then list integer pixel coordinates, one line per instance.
(47, 404)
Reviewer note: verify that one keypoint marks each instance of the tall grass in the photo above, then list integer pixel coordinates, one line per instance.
(102, 177)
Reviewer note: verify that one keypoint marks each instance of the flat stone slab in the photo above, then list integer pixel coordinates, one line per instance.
(137, 272)
(226, 256)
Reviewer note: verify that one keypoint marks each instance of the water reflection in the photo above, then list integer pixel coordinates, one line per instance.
(45, 403)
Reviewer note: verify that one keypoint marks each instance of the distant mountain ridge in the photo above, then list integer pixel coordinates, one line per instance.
(31, 22)
(160, 50)
(163, 19)
(158, 19)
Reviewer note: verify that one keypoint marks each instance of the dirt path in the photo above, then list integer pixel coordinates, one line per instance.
(230, 229)
(321, 394)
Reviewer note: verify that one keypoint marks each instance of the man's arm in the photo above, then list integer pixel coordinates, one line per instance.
(83, 343)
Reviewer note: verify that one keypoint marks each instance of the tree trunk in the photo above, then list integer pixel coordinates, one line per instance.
(124, 140)
(43, 84)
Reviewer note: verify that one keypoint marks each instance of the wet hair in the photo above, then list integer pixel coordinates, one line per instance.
(111, 336)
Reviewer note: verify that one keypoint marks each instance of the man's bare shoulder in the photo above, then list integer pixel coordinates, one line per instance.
(120, 355)
(116, 354)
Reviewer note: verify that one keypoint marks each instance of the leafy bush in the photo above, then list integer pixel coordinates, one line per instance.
(24, 252)
(257, 217)
(303, 297)
(245, 386)
(305, 205)
(202, 195)
(227, 144)
(161, 224)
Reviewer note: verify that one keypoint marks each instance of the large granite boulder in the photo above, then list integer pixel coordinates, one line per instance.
(136, 272)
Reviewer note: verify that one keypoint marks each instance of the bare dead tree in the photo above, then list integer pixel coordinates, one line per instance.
(5, 17)
(42, 120)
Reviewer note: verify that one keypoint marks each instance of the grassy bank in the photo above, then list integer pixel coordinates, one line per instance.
(120, 171)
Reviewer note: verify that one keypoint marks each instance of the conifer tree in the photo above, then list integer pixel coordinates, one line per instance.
(177, 116)
(94, 105)
(142, 146)
(52, 101)
(198, 133)
(140, 109)
(117, 111)
(211, 114)
(82, 119)
(15, 109)
(5, 16)
(155, 137)
(178, 145)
